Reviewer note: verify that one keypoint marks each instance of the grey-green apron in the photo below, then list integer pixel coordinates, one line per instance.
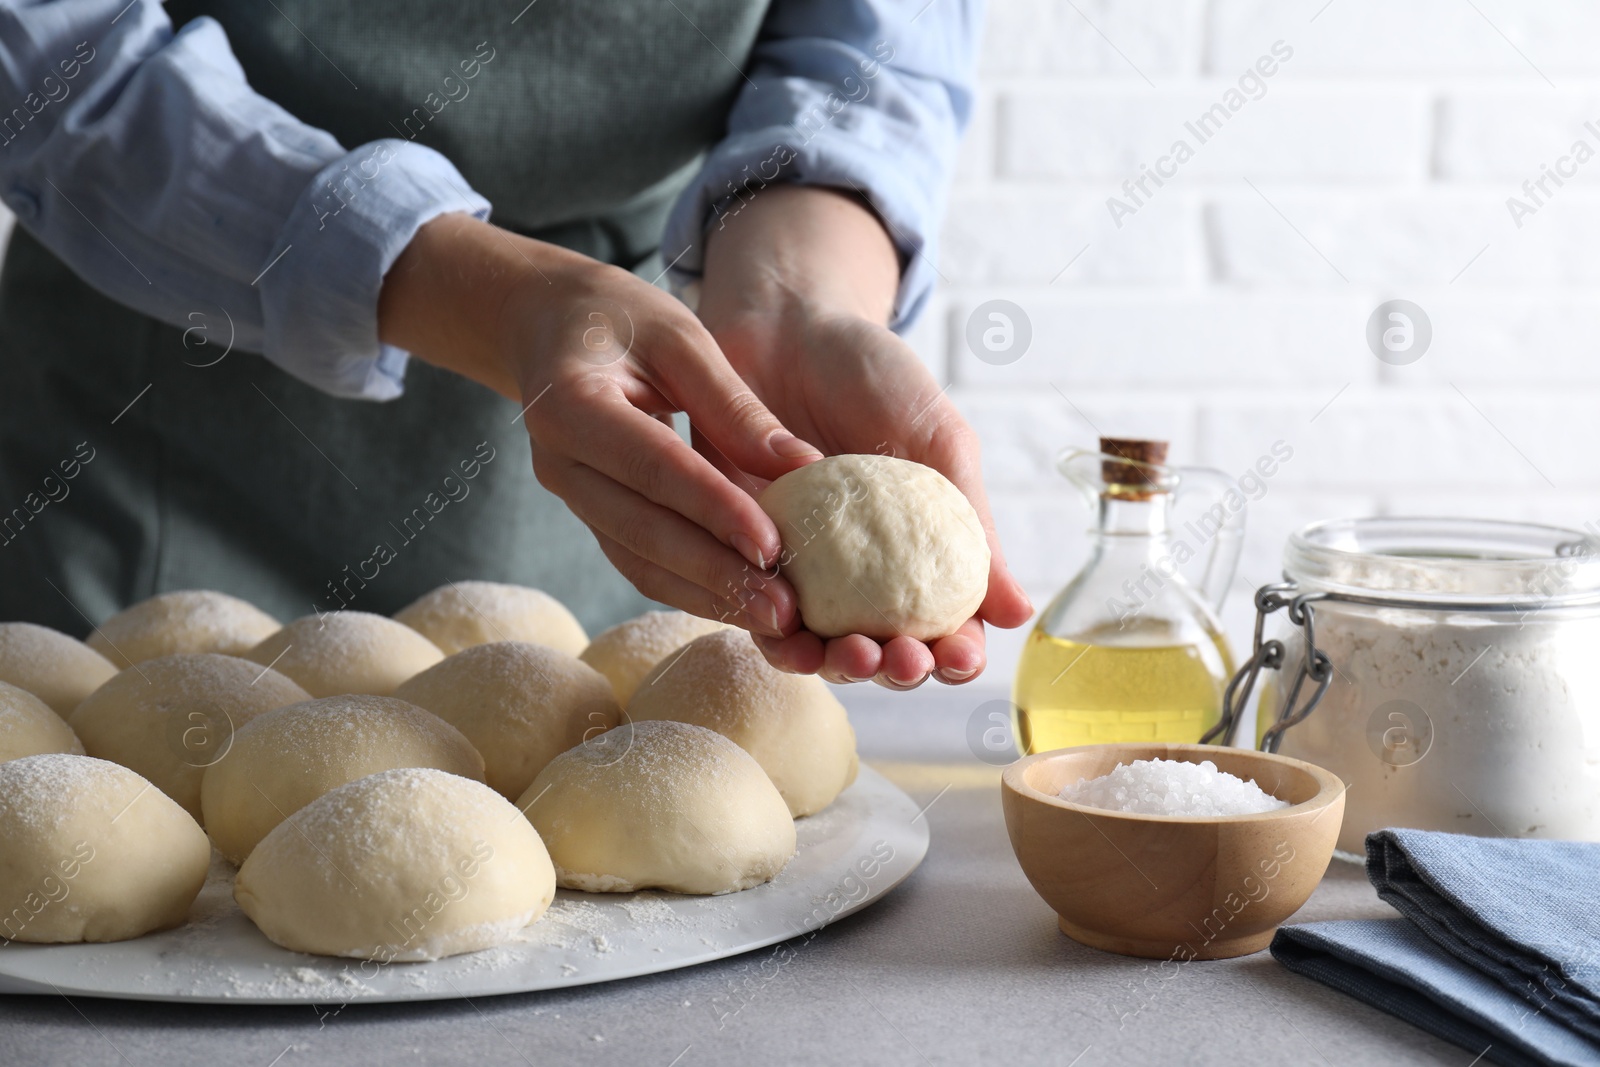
(129, 467)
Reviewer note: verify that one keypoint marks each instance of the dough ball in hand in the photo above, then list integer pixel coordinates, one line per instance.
(520, 704)
(92, 852)
(190, 620)
(661, 805)
(790, 723)
(171, 718)
(347, 652)
(58, 669)
(30, 727)
(879, 546)
(289, 757)
(630, 650)
(462, 614)
(410, 864)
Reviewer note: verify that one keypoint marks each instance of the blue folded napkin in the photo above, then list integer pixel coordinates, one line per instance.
(1498, 950)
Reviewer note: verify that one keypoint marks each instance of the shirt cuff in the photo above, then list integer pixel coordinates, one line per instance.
(745, 163)
(319, 289)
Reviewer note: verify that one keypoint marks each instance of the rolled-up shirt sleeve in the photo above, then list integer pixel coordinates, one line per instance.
(862, 95)
(144, 160)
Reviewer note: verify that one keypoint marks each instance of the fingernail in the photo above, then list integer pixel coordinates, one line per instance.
(747, 548)
(898, 686)
(956, 676)
(763, 613)
(789, 446)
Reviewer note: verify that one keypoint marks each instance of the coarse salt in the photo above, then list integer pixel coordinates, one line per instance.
(1171, 787)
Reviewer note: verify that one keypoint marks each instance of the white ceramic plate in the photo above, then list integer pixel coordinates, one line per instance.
(857, 850)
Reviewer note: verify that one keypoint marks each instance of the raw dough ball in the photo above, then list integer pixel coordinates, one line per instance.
(289, 757)
(28, 726)
(186, 621)
(92, 852)
(57, 669)
(347, 652)
(463, 614)
(171, 718)
(879, 546)
(660, 805)
(521, 704)
(630, 650)
(790, 723)
(410, 864)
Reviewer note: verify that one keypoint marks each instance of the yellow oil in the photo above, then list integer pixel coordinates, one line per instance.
(1067, 693)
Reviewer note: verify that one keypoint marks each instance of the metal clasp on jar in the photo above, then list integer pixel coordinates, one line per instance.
(1269, 654)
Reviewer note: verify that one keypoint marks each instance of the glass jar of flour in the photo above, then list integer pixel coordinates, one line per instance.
(1448, 670)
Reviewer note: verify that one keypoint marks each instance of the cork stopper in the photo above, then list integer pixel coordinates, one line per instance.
(1141, 480)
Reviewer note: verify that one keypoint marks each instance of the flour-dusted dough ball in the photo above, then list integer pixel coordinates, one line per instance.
(287, 758)
(521, 704)
(191, 620)
(660, 805)
(171, 718)
(57, 669)
(790, 723)
(879, 546)
(630, 650)
(92, 852)
(347, 652)
(462, 614)
(411, 864)
(30, 727)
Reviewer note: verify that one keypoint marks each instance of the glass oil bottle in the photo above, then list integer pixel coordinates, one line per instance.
(1130, 650)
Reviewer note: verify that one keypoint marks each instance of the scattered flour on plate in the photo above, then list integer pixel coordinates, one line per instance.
(584, 926)
(647, 909)
(1172, 787)
(821, 826)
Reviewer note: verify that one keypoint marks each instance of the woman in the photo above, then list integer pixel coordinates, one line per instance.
(312, 181)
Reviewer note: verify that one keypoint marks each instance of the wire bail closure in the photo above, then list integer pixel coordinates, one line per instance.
(1269, 655)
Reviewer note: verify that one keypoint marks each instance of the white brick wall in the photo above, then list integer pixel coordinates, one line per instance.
(1339, 134)
(1231, 307)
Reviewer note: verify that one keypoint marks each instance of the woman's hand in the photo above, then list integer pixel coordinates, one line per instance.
(600, 360)
(798, 286)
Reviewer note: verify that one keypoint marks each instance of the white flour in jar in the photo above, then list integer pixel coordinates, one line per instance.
(1472, 722)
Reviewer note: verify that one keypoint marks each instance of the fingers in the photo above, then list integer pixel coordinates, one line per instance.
(851, 659)
(841, 659)
(1005, 604)
(900, 664)
(960, 658)
(660, 584)
(907, 663)
(603, 430)
(799, 653)
(730, 418)
(726, 583)
(952, 449)
(750, 483)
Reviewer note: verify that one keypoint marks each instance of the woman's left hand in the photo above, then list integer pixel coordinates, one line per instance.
(785, 299)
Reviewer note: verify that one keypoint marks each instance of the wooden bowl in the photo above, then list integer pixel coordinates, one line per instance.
(1170, 886)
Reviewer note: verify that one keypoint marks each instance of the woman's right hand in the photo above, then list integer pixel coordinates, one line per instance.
(601, 360)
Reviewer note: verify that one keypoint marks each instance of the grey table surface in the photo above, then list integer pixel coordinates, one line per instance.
(961, 964)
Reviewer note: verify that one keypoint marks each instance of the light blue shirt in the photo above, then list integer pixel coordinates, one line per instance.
(143, 159)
